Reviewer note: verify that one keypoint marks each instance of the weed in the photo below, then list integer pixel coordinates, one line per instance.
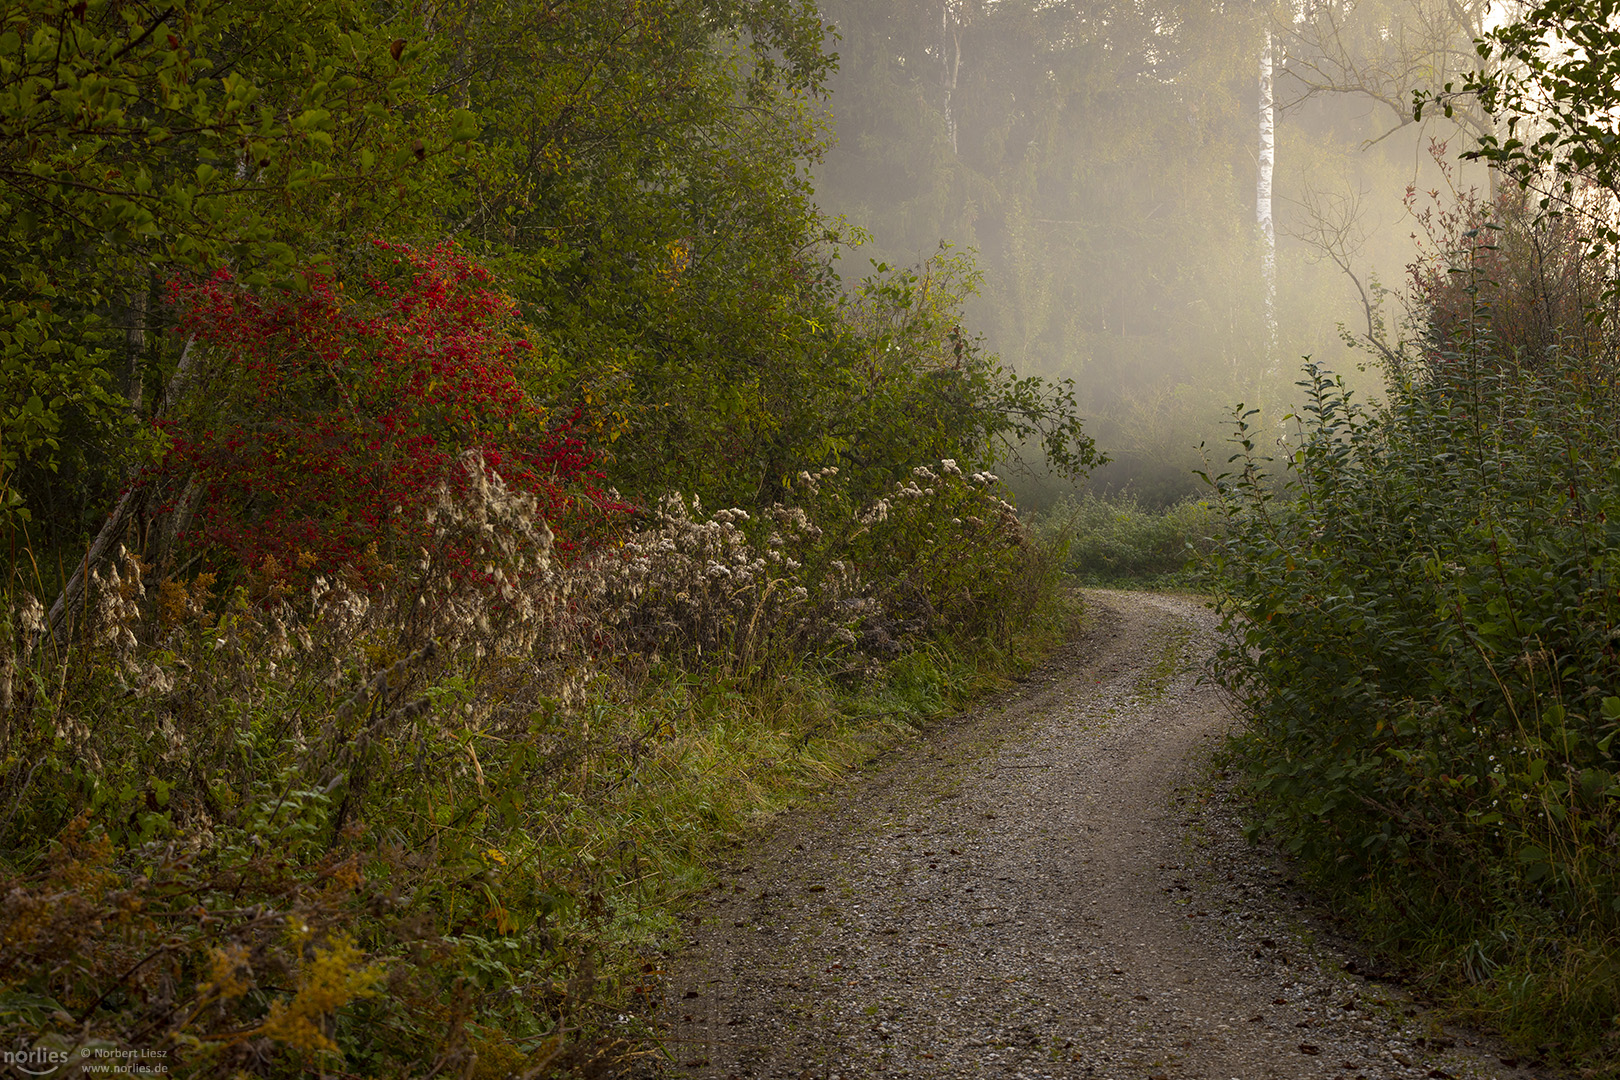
(441, 823)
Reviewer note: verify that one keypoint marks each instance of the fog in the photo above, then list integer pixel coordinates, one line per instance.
(1099, 161)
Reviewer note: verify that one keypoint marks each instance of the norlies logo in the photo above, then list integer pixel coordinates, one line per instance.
(35, 1061)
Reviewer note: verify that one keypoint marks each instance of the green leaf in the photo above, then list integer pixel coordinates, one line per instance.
(463, 125)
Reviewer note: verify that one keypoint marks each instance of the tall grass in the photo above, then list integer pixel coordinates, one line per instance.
(1118, 541)
(443, 826)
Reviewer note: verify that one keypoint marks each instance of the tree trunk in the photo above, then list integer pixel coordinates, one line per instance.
(130, 508)
(1262, 201)
(134, 351)
(950, 54)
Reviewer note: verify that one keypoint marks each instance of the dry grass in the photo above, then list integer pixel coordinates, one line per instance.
(440, 827)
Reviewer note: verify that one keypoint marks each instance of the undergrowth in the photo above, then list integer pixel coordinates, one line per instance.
(1425, 607)
(1118, 541)
(1425, 618)
(441, 825)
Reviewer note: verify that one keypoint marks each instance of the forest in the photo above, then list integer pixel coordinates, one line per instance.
(462, 466)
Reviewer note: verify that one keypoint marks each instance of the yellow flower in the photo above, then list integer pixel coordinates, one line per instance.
(334, 977)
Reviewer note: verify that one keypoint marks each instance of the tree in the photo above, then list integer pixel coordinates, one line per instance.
(1262, 198)
(1551, 76)
(138, 141)
(1103, 174)
(647, 197)
(1377, 54)
(1383, 53)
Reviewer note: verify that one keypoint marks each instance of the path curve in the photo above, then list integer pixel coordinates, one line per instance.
(1044, 887)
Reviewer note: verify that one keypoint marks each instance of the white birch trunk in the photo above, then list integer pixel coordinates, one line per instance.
(950, 54)
(1262, 201)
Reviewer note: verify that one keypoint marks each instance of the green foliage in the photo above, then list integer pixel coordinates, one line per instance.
(1423, 618)
(137, 144)
(1556, 102)
(638, 183)
(1117, 539)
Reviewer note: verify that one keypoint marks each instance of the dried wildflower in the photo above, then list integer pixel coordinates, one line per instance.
(876, 514)
(171, 603)
(230, 972)
(31, 614)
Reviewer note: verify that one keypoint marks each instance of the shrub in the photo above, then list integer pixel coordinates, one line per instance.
(1423, 640)
(1501, 280)
(1118, 539)
(324, 425)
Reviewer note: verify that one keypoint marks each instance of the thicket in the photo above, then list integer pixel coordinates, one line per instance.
(1115, 539)
(1424, 597)
(442, 823)
(447, 492)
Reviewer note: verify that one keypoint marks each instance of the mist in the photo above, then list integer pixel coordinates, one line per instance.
(1099, 162)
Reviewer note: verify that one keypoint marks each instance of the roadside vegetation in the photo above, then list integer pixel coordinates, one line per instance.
(1423, 596)
(445, 823)
(1118, 541)
(448, 494)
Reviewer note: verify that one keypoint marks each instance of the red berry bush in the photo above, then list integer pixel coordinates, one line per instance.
(334, 421)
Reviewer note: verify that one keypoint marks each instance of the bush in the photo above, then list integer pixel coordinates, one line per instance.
(1497, 280)
(1424, 641)
(1117, 539)
(322, 426)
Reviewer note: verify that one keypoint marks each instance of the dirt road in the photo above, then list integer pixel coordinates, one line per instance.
(1048, 886)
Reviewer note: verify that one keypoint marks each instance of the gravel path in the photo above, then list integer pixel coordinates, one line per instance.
(1048, 886)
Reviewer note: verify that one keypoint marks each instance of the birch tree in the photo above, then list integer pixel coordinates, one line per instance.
(950, 58)
(1262, 198)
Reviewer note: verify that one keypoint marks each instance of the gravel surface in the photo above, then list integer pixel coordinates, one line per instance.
(1052, 885)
